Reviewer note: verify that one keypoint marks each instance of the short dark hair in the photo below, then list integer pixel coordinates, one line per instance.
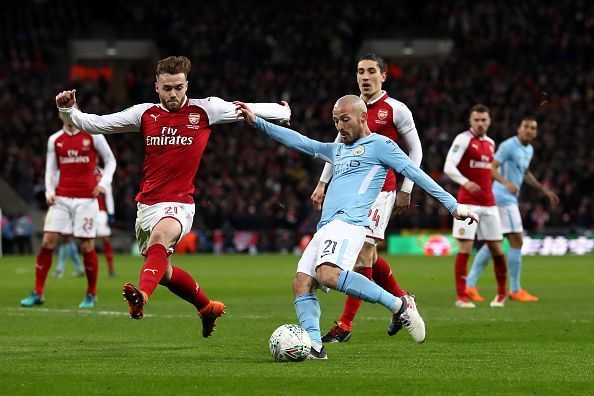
(374, 57)
(528, 118)
(174, 65)
(479, 108)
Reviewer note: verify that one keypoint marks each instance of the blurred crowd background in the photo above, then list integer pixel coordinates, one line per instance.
(531, 57)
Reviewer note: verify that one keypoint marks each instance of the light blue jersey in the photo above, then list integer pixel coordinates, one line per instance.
(514, 159)
(359, 171)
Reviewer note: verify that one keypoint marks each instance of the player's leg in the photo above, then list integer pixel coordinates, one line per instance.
(85, 229)
(307, 306)
(73, 254)
(481, 259)
(108, 251)
(340, 247)
(91, 265)
(341, 331)
(42, 267)
(489, 230)
(103, 232)
(57, 220)
(182, 284)
(500, 267)
(511, 222)
(514, 260)
(62, 252)
(465, 234)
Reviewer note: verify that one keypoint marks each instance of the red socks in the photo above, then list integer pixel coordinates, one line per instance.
(108, 251)
(153, 269)
(352, 304)
(460, 271)
(91, 269)
(382, 275)
(183, 285)
(44, 263)
(500, 273)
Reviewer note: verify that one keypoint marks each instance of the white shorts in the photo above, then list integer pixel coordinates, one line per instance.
(147, 217)
(489, 226)
(103, 229)
(511, 219)
(72, 216)
(379, 216)
(337, 242)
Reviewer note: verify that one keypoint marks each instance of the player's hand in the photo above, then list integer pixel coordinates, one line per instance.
(66, 99)
(472, 187)
(318, 195)
(462, 213)
(553, 198)
(511, 187)
(51, 200)
(402, 202)
(288, 122)
(246, 112)
(98, 190)
(110, 220)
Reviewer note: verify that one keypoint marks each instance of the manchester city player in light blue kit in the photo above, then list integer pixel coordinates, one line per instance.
(360, 166)
(510, 169)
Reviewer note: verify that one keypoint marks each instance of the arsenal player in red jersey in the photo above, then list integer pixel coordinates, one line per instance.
(72, 203)
(388, 117)
(175, 132)
(468, 163)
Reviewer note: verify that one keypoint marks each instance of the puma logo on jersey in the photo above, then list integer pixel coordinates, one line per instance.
(154, 271)
(155, 116)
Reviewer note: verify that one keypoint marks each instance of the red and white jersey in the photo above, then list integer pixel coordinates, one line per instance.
(391, 118)
(74, 155)
(470, 159)
(173, 141)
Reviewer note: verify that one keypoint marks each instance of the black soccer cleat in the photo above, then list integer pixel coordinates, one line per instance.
(396, 322)
(337, 334)
(315, 355)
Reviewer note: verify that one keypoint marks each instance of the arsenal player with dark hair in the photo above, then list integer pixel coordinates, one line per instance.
(469, 163)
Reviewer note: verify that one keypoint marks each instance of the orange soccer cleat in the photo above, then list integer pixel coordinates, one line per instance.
(522, 296)
(473, 294)
(136, 299)
(209, 316)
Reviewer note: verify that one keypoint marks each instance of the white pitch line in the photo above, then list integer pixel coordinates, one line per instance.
(19, 311)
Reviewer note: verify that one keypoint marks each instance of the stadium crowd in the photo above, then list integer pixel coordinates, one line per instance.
(518, 60)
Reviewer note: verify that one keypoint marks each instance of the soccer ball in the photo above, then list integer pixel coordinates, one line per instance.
(289, 343)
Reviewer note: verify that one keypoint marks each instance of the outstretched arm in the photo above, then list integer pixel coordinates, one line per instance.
(123, 121)
(392, 156)
(531, 180)
(222, 112)
(286, 136)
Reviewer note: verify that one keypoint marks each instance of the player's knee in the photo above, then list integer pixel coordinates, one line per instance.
(366, 257)
(86, 245)
(49, 241)
(300, 286)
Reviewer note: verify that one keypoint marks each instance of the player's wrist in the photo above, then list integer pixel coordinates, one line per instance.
(407, 186)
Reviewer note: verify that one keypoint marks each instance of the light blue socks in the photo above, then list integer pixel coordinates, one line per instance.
(478, 265)
(358, 286)
(514, 262)
(308, 312)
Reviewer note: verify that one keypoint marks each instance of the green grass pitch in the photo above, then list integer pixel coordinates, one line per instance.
(525, 348)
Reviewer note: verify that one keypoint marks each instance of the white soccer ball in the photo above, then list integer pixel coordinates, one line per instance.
(289, 343)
